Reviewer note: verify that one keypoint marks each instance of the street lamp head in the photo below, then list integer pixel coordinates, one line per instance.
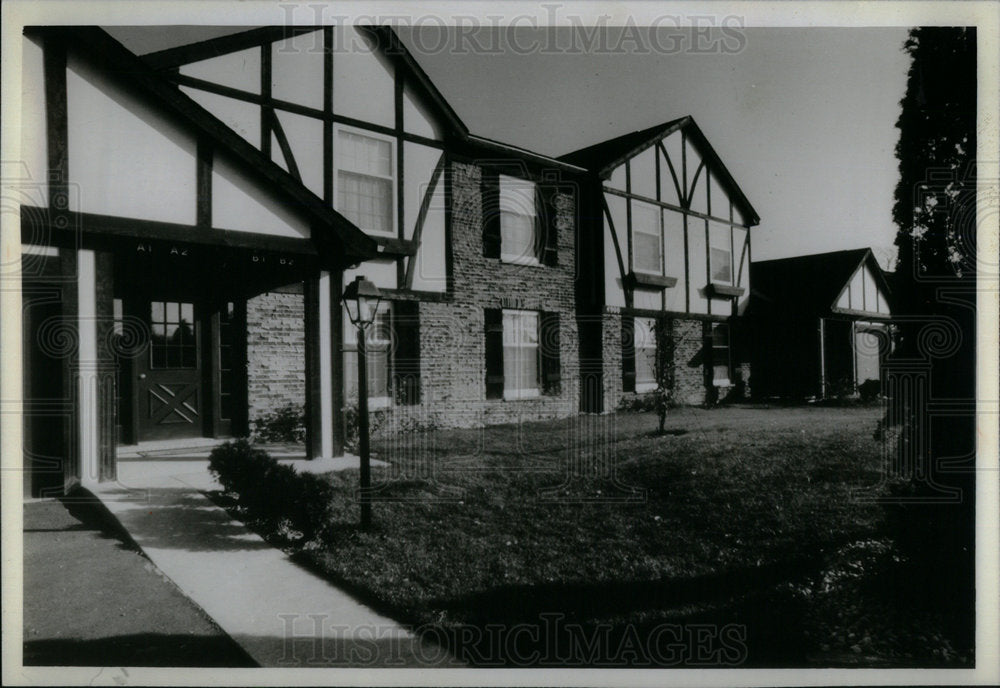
(362, 299)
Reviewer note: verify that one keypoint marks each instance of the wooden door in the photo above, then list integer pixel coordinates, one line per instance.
(169, 375)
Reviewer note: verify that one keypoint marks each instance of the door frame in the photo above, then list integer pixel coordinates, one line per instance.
(208, 325)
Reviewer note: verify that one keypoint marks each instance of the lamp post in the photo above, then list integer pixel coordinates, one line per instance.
(362, 298)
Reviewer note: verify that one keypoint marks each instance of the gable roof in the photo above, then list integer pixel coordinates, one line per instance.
(112, 58)
(383, 37)
(811, 283)
(602, 158)
(386, 40)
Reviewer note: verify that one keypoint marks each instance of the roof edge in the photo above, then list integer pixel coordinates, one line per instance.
(100, 49)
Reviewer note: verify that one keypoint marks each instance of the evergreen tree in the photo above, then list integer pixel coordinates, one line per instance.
(932, 509)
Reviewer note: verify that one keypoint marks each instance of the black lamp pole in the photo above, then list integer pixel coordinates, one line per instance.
(366, 469)
(361, 298)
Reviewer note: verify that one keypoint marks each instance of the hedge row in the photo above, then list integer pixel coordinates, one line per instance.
(271, 492)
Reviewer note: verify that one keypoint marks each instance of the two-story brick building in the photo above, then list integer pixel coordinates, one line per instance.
(191, 217)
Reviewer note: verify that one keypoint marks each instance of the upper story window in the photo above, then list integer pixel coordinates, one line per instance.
(518, 221)
(365, 180)
(647, 239)
(720, 253)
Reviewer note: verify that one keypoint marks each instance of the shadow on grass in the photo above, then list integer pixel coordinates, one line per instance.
(735, 618)
(732, 618)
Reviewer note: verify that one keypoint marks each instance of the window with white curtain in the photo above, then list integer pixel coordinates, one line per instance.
(518, 231)
(520, 354)
(645, 354)
(365, 180)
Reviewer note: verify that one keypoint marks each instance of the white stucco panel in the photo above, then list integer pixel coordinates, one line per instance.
(672, 148)
(239, 70)
(240, 116)
(697, 258)
(614, 291)
(242, 204)
(673, 238)
(417, 117)
(697, 188)
(381, 273)
(643, 173)
(305, 138)
(32, 187)
(125, 158)
(297, 69)
(363, 82)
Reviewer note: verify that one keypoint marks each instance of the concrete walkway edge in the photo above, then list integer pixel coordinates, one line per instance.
(281, 614)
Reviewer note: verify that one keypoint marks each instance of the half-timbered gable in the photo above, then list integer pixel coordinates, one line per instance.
(347, 112)
(148, 225)
(822, 324)
(213, 199)
(670, 234)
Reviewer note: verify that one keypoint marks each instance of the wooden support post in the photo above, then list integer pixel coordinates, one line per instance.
(822, 359)
(313, 405)
(337, 361)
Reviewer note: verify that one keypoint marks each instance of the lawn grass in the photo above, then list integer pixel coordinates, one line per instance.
(741, 536)
(731, 520)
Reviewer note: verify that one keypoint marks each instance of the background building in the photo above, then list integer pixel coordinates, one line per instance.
(821, 324)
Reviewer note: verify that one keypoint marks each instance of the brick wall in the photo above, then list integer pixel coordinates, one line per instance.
(452, 339)
(275, 351)
(611, 344)
(690, 384)
(452, 333)
(689, 362)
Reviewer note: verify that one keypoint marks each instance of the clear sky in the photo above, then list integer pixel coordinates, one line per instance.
(803, 118)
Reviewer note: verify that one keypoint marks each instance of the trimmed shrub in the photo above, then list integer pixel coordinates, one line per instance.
(287, 424)
(311, 509)
(273, 493)
(238, 465)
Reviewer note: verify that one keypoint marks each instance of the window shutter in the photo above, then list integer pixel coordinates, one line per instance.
(494, 353)
(628, 354)
(490, 185)
(546, 217)
(548, 336)
(406, 359)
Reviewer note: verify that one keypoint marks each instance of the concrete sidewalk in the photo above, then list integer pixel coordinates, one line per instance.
(281, 614)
